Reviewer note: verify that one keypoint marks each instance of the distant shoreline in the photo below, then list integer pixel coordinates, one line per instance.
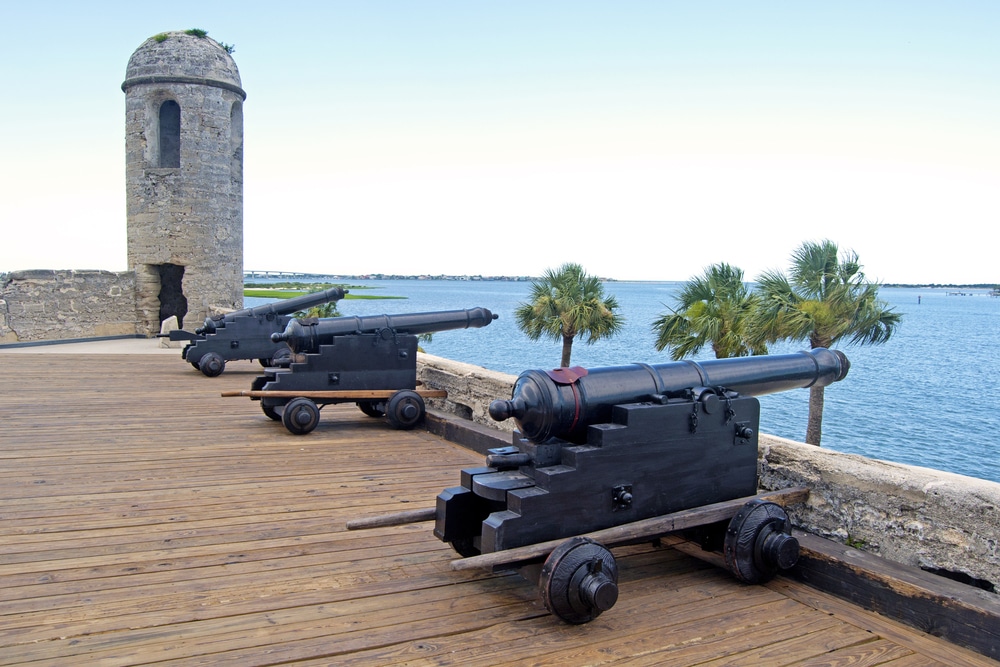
(989, 286)
(279, 275)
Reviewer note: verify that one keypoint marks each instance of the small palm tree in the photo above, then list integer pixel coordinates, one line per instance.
(825, 299)
(566, 304)
(328, 309)
(712, 309)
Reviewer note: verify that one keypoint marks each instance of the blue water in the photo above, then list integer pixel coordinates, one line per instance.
(928, 397)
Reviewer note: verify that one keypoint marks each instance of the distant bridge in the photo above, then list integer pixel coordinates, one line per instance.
(247, 273)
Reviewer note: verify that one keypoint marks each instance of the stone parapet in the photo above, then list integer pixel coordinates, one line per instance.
(42, 305)
(934, 520)
(941, 522)
(470, 388)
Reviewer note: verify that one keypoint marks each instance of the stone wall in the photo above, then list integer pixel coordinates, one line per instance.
(919, 517)
(933, 520)
(55, 305)
(470, 389)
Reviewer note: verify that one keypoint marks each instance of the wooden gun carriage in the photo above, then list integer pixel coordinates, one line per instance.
(246, 334)
(619, 455)
(367, 360)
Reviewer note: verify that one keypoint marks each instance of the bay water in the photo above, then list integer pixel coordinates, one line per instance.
(929, 397)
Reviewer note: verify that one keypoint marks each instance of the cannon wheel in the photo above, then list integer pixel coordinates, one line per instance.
(579, 580)
(281, 357)
(211, 364)
(300, 416)
(405, 409)
(371, 408)
(271, 411)
(759, 542)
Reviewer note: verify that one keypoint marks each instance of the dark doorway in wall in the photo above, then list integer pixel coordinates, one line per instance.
(172, 299)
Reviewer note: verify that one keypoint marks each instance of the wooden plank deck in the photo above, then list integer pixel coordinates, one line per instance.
(144, 519)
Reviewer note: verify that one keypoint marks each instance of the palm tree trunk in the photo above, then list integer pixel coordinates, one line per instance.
(814, 427)
(567, 348)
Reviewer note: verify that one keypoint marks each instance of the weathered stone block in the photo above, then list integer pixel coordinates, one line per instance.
(57, 305)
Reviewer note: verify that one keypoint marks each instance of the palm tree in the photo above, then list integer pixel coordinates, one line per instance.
(566, 304)
(826, 299)
(328, 309)
(714, 309)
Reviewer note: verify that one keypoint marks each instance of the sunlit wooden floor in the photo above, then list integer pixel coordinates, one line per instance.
(144, 519)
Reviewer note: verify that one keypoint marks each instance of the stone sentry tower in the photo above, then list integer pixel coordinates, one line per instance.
(184, 178)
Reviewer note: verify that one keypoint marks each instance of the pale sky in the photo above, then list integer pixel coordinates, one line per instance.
(644, 140)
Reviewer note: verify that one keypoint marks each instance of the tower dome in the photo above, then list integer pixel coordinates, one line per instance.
(183, 57)
(184, 178)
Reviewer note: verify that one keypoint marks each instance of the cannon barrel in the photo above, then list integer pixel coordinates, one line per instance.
(564, 402)
(308, 335)
(281, 307)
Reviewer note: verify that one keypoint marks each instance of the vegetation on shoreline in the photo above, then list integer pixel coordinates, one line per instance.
(943, 285)
(302, 285)
(288, 290)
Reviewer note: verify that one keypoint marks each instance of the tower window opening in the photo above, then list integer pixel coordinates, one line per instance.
(170, 134)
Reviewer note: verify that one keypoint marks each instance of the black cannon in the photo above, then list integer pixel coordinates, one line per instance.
(246, 334)
(606, 448)
(370, 360)
(308, 335)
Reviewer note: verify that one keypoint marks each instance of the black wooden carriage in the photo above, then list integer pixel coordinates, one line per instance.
(617, 455)
(246, 334)
(370, 361)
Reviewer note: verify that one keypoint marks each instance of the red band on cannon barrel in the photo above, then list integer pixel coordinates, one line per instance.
(569, 376)
(566, 375)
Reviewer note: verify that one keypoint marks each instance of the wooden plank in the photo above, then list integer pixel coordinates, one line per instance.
(395, 519)
(867, 654)
(637, 530)
(628, 632)
(345, 394)
(473, 628)
(945, 652)
(548, 641)
(962, 614)
(975, 624)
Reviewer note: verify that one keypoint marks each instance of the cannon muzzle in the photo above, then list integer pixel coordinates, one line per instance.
(307, 335)
(271, 310)
(564, 402)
